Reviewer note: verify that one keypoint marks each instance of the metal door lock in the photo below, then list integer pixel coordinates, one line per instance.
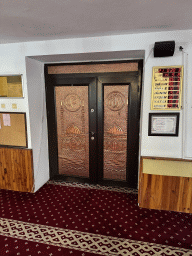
(92, 110)
(92, 138)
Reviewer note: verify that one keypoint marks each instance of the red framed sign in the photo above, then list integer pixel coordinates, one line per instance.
(167, 88)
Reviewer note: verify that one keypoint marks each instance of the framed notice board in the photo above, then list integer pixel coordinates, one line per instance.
(11, 86)
(13, 129)
(167, 88)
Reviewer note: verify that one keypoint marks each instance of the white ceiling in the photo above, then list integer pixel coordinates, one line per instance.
(34, 20)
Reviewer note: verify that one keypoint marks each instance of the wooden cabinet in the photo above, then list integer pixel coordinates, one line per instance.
(16, 169)
(171, 193)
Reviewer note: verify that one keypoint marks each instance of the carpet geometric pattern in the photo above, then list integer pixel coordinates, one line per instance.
(80, 219)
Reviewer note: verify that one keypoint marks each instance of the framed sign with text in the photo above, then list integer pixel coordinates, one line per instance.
(163, 124)
(167, 88)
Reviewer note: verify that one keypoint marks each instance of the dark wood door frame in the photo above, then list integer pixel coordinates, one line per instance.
(52, 123)
(133, 122)
(132, 126)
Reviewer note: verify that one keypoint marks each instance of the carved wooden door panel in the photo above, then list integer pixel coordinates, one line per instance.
(115, 132)
(72, 108)
(71, 127)
(73, 130)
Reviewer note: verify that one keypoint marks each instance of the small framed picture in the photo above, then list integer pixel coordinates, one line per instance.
(163, 124)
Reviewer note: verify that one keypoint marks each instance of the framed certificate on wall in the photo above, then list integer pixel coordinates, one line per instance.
(163, 124)
(167, 88)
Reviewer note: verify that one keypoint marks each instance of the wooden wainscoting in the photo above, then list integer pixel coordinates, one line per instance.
(16, 169)
(172, 193)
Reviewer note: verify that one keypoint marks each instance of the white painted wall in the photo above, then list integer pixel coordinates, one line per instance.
(158, 146)
(12, 61)
(38, 121)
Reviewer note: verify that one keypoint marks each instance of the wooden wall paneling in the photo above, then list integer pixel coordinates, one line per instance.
(165, 192)
(2, 168)
(29, 167)
(16, 169)
(7, 172)
(19, 169)
(12, 169)
(185, 196)
(174, 191)
(93, 68)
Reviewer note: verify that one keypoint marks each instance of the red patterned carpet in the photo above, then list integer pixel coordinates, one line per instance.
(83, 220)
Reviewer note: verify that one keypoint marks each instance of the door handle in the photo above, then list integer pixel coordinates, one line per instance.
(92, 135)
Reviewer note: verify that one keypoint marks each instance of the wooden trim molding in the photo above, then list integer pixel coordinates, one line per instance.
(165, 192)
(16, 169)
(93, 68)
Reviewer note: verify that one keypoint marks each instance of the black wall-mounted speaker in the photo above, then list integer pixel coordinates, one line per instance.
(164, 49)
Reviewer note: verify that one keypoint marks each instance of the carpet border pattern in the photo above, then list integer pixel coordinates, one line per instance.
(83, 241)
(90, 186)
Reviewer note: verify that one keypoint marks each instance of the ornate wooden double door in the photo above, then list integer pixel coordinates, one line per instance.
(94, 128)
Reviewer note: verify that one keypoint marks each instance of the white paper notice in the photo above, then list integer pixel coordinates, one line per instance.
(163, 125)
(6, 120)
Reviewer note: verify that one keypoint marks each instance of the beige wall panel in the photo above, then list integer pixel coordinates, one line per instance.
(167, 167)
